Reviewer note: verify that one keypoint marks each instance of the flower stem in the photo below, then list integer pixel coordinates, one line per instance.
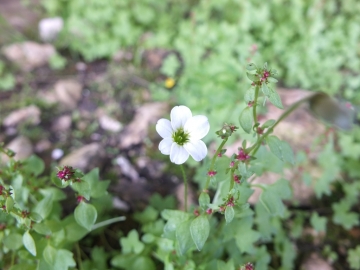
(293, 107)
(213, 161)
(185, 187)
(107, 222)
(231, 179)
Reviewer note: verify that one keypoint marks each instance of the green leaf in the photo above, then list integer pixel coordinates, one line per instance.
(204, 200)
(148, 215)
(280, 149)
(272, 80)
(9, 204)
(353, 257)
(246, 119)
(251, 67)
(41, 228)
(13, 241)
(245, 237)
(229, 214)
(272, 195)
(85, 215)
(29, 243)
(97, 188)
(183, 236)
(49, 254)
(34, 165)
(83, 188)
(200, 229)
(343, 217)
(265, 89)
(318, 223)
(44, 207)
(160, 203)
(131, 243)
(170, 66)
(64, 259)
(268, 123)
(249, 95)
(275, 98)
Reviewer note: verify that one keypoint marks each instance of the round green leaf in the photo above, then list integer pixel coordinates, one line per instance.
(49, 254)
(229, 214)
(29, 243)
(9, 204)
(200, 229)
(246, 119)
(13, 241)
(85, 215)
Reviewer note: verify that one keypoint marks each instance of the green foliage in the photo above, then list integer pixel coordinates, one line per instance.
(354, 258)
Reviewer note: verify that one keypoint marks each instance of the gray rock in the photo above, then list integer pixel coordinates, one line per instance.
(63, 123)
(68, 93)
(110, 124)
(137, 130)
(22, 146)
(30, 114)
(86, 157)
(49, 28)
(29, 55)
(315, 262)
(127, 169)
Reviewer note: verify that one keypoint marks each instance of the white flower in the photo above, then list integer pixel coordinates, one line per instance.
(182, 136)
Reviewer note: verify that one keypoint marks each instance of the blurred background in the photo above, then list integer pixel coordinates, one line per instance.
(83, 82)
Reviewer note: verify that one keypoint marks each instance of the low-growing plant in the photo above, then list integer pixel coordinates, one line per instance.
(222, 232)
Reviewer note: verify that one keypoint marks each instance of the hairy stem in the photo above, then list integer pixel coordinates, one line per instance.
(185, 187)
(213, 161)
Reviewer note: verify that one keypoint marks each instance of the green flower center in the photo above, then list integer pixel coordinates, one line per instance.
(180, 136)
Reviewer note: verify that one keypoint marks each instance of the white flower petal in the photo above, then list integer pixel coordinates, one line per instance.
(179, 116)
(178, 154)
(163, 127)
(197, 149)
(197, 126)
(165, 146)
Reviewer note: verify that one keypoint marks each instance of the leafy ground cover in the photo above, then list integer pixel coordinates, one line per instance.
(126, 63)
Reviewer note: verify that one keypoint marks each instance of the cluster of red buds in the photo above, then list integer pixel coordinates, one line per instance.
(237, 179)
(248, 266)
(266, 74)
(242, 156)
(211, 173)
(66, 173)
(226, 131)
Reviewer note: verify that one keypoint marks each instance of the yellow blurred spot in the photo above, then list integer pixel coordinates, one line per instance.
(169, 83)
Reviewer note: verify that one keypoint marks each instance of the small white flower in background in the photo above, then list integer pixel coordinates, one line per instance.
(182, 135)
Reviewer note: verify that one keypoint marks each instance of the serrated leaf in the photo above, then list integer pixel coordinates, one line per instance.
(183, 236)
(29, 243)
(280, 149)
(275, 98)
(265, 89)
(318, 223)
(85, 215)
(246, 119)
(229, 214)
(200, 229)
(353, 257)
(64, 259)
(131, 243)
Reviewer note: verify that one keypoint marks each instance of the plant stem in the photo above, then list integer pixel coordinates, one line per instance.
(78, 252)
(256, 146)
(107, 222)
(185, 187)
(213, 161)
(231, 179)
